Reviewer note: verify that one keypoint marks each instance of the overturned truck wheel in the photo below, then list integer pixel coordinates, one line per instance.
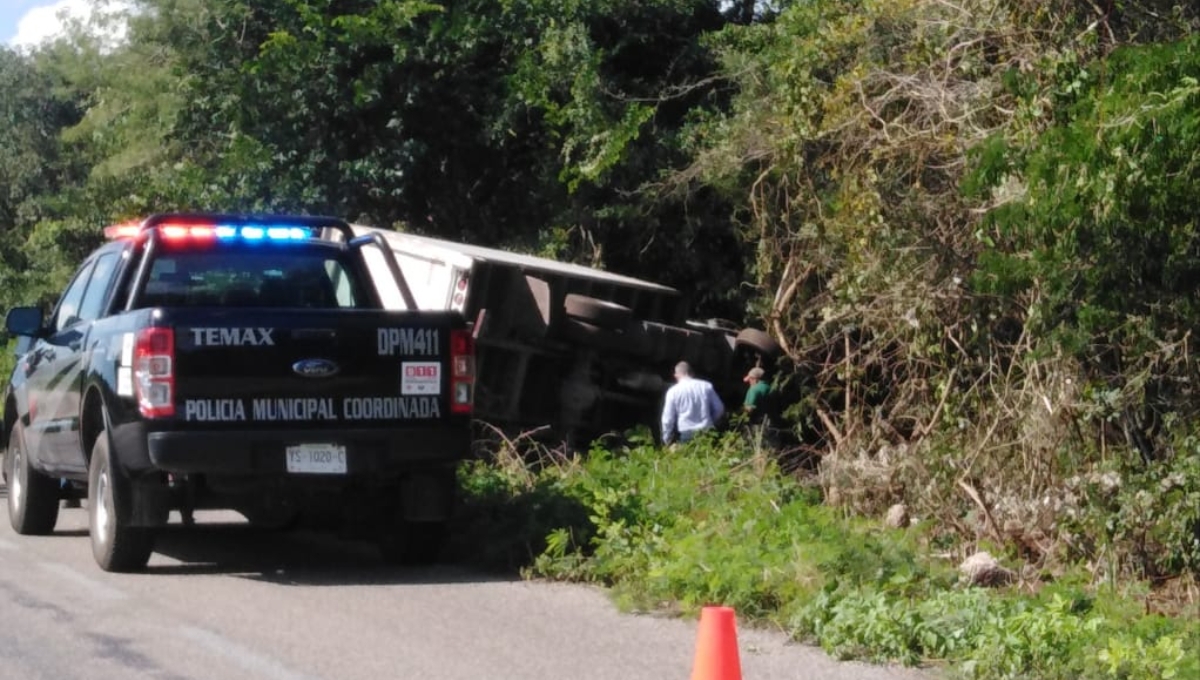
(759, 341)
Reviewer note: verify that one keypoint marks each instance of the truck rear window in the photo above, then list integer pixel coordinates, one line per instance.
(289, 278)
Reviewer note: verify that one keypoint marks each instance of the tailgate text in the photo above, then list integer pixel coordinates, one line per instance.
(408, 342)
(309, 409)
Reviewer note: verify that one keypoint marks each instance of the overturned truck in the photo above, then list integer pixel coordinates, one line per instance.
(565, 350)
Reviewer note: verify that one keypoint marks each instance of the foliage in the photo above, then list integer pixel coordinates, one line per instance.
(1114, 244)
(34, 165)
(1056, 635)
(1145, 522)
(507, 521)
(7, 359)
(653, 528)
(975, 245)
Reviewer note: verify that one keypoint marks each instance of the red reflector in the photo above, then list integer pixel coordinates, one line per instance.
(461, 342)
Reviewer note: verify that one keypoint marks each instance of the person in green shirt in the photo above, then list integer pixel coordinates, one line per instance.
(757, 394)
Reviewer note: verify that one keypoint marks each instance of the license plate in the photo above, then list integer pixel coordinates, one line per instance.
(317, 459)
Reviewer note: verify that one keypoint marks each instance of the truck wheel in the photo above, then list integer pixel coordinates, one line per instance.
(759, 341)
(116, 545)
(32, 496)
(598, 312)
(413, 543)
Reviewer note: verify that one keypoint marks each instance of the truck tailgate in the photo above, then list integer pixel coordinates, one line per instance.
(312, 368)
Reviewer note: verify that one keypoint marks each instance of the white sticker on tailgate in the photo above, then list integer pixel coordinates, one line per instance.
(319, 459)
(420, 377)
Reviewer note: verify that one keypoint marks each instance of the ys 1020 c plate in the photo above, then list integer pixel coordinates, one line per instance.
(317, 459)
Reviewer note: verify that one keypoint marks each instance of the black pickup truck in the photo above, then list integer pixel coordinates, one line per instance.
(201, 361)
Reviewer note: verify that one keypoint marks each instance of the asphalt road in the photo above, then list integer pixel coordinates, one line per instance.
(223, 601)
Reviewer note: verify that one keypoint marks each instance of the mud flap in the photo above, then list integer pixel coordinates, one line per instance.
(149, 497)
(151, 502)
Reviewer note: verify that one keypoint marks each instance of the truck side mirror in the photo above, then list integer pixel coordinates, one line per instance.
(24, 321)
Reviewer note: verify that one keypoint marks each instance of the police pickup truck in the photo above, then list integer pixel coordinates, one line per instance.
(201, 361)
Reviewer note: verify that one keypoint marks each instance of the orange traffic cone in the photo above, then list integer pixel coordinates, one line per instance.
(716, 646)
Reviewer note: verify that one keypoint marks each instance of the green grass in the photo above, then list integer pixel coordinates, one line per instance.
(712, 523)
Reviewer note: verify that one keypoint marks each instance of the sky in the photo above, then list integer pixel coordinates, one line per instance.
(25, 23)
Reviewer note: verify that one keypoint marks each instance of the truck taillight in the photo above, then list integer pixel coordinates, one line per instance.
(462, 371)
(154, 372)
(458, 298)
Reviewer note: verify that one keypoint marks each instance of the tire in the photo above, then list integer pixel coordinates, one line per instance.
(116, 545)
(32, 496)
(598, 312)
(413, 544)
(758, 341)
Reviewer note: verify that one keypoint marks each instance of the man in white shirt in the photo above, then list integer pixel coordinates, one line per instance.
(692, 406)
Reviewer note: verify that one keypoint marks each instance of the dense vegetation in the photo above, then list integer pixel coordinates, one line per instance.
(971, 224)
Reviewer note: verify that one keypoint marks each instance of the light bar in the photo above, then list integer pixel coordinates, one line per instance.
(210, 232)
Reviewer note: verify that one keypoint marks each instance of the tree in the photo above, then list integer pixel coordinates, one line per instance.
(34, 165)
